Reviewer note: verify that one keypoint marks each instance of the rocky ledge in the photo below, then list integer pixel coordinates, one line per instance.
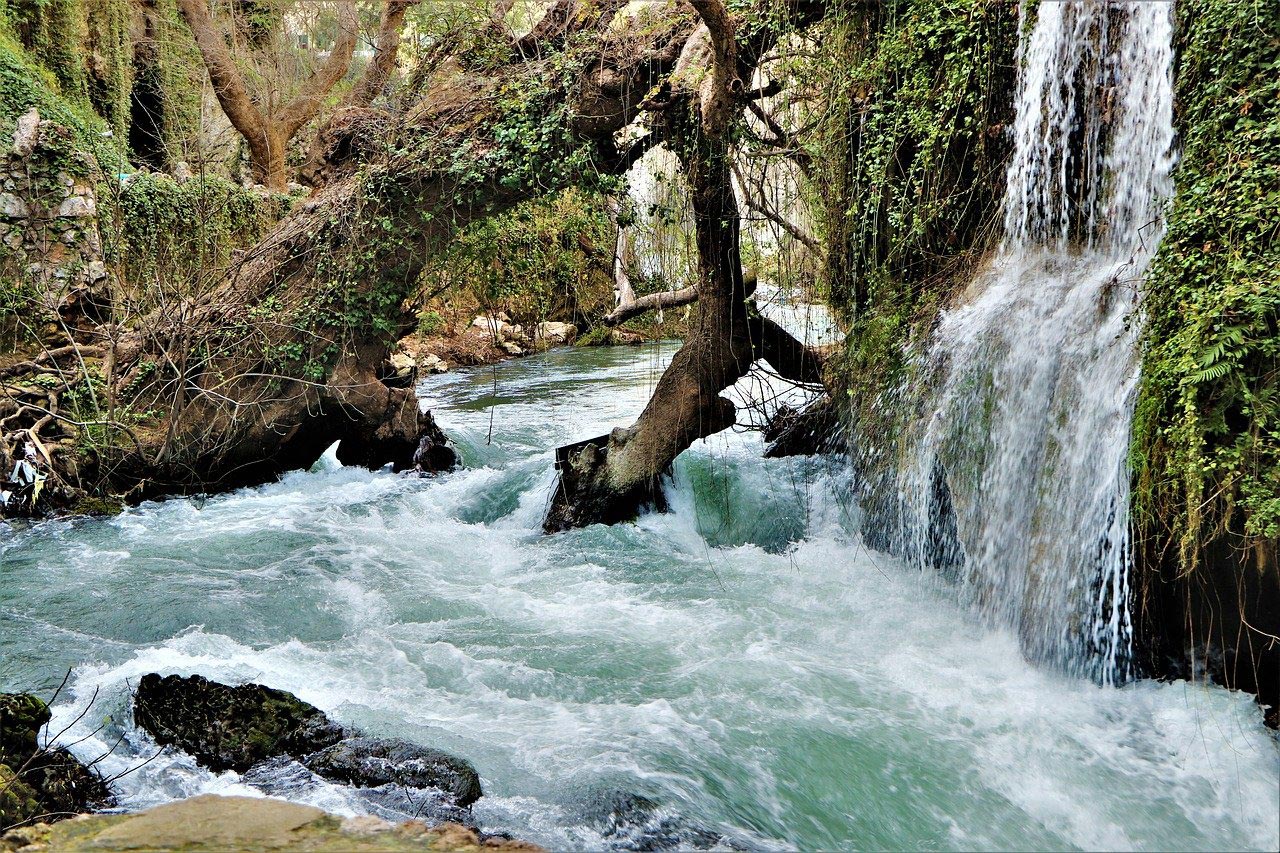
(245, 825)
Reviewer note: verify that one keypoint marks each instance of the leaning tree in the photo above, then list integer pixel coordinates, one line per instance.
(285, 355)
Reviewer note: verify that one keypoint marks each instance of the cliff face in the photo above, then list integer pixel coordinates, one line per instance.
(1206, 442)
(917, 170)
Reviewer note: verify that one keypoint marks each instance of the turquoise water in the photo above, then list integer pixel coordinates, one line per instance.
(745, 661)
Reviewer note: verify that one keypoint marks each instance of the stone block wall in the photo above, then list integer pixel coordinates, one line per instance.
(49, 235)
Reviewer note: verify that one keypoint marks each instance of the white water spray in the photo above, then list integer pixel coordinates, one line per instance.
(1015, 482)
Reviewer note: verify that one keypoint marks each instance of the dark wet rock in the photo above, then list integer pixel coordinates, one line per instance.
(422, 447)
(289, 779)
(809, 431)
(370, 762)
(230, 728)
(38, 783)
(633, 822)
(397, 802)
(433, 454)
(282, 744)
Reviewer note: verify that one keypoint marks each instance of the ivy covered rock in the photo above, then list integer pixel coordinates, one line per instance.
(229, 728)
(38, 782)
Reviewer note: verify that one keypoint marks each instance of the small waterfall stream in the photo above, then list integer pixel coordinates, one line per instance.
(1014, 482)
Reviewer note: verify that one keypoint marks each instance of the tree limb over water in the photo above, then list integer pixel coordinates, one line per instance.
(283, 356)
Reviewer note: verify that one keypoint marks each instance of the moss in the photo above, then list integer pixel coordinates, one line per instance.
(1206, 450)
(913, 160)
(108, 51)
(168, 76)
(25, 83)
(18, 802)
(55, 31)
(98, 505)
(174, 236)
(21, 718)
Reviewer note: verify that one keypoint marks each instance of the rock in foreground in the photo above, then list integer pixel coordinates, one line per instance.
(237, 728)
(245, 825)
(38, 783)
(230, 728)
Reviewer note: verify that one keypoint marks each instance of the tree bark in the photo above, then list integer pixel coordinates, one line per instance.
(267, 134)
(612, 481)
(385, 50)
(650, 302)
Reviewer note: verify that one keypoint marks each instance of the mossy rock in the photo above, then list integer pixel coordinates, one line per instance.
(230, 728)
(22, 716)
(18, 801)
(40, 782)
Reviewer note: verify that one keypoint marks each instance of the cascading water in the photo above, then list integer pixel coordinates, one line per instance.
(1015, 481)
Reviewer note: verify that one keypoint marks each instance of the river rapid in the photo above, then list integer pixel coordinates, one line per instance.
(744, 660)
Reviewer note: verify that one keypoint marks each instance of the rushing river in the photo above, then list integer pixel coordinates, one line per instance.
(743, 660)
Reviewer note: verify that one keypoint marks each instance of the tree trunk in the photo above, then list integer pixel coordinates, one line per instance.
(266, 158)
(267, 135)
(262, 372)
(612, 481)
(283, 358)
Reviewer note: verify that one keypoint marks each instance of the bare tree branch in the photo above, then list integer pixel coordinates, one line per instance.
(386, 48)
(651, 302)
(759, 206)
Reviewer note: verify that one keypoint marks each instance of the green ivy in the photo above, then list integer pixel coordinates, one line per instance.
(166, 235)
(1207, 433)
(912, 157)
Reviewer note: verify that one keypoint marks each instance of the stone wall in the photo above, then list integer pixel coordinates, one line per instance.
(49, 235)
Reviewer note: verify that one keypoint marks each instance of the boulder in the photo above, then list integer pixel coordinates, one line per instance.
(550, 333)
(433, 364)
(229, 728)
(27, 133)
(250, 728)
(35, 781)
(433, 454)
(78, 207)
(22, 716)
(512, 348)
(403, 364)
(633, 822)
(12, 207)
(369, 762)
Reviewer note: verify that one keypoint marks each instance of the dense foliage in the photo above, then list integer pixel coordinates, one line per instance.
(1207, 435)
(544, 259)
(913, 152)
(173, 238)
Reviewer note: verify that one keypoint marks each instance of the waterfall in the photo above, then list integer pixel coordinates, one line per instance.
(1014, 479)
